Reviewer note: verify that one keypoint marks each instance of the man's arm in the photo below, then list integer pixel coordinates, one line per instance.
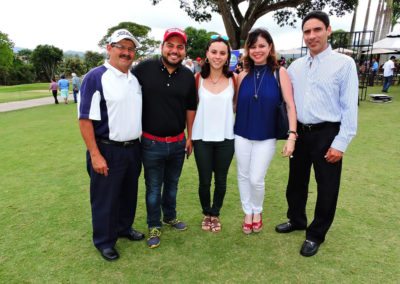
(99, 164)
(190, 114)
(348, 98)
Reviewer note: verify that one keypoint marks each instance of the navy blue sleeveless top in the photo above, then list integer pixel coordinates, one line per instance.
(255, 117)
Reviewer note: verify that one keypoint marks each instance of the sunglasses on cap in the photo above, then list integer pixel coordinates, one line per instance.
(219, 36)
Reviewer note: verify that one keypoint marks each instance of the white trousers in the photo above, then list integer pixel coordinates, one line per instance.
(253, 159)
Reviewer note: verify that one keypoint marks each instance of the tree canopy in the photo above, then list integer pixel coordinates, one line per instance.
(197, 41)
(140, 32)
(238, 24)
(6, 55)
(46, 58)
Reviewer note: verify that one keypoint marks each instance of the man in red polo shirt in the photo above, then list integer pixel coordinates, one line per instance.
(169, 104)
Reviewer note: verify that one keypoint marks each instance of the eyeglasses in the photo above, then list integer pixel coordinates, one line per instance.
(224, 37)
(123, 48)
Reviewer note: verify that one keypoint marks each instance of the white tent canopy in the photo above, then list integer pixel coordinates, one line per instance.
(391, 41)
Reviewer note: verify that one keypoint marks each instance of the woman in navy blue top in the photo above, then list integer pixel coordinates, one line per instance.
(255, 134)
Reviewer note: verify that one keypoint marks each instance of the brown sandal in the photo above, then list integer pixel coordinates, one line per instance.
(215, 225)
(206, 223)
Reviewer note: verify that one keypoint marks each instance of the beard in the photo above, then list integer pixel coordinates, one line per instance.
(169, 63)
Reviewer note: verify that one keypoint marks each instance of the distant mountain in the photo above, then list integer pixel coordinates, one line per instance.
(68, 53)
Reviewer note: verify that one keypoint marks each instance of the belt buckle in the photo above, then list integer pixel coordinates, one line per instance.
(126, 143)
(308, 127)
(168, 139)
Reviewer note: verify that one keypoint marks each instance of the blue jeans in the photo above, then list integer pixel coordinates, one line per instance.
(386, 83)
(162, 163)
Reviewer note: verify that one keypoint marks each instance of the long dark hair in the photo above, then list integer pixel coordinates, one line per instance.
(206, 69)
(251, 40)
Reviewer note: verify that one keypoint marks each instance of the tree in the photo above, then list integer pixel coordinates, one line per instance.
(140, 32)
(387, 22)
(93, 59)
(237, 25)
(46, 58)
(378, 20)
(21, 73)
(6, 56)
(396, 12)
(366, 21)
(72, 65)
(340, 38)
(197, 41)
(25, 54)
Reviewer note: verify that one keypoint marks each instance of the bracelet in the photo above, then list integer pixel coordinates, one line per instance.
(291, 139)
(293, 132)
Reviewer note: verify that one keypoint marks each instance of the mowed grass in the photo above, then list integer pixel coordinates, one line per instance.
(24, 92)
(45, 216)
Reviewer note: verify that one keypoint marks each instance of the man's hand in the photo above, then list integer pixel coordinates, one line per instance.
(188, 147)
(333, 155)
(99, 164)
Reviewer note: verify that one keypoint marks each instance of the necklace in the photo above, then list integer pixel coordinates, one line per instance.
(257, 72)
(257, 89)
(215, 81)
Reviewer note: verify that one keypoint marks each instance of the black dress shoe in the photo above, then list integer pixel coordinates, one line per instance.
(309, 248)
(133, 235)
(286, 228)
(109, 254)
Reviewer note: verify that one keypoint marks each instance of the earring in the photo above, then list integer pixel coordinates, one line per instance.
(206, 61)
(227, 63)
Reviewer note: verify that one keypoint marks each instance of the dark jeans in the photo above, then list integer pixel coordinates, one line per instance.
(311, 147)
(162, 164)
(55, 96)
(213, 157)
(75, 94)
(113, 198)
(386, 83)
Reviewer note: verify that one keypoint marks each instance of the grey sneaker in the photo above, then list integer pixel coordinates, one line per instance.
(154, 237)
(175, 223)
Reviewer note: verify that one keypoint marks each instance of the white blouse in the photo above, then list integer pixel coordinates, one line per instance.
(214, 117)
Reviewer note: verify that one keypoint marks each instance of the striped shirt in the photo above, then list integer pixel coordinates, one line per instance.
(326, 90)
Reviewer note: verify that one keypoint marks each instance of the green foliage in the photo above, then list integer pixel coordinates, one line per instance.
(6, 56)
(396, 12)
(340, 38)
(21, 73)
(25, 54)
(46, 58)
(93, 59)
(140, 32)
(72, 65)
(197, 42)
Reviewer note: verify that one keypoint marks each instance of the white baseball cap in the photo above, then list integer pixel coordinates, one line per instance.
(123, 34)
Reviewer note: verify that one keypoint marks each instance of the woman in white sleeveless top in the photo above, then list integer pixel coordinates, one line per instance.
(212, 132)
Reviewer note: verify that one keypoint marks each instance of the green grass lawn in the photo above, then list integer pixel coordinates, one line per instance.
(45, 217)
(24, 92)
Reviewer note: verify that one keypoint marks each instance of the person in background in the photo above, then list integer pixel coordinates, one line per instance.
(213, 128)
(189, 64)
(325, 85)
(169, 104)
(255, 125)
(197, 65)
(110, 113)
(388, 70)
(76, 85)
(63, 86)
(374, 71)
(54, 87)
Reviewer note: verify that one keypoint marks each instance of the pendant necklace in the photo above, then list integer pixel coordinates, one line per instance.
(257, 89)
(259, 71)
(215, 81)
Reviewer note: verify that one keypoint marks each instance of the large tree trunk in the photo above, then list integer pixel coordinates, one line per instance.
(366, 22)
(353, 24)
(378, 20)
(388, 19)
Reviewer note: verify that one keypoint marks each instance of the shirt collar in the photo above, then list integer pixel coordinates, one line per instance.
(117, 72)
(164, 68)
(320, 56)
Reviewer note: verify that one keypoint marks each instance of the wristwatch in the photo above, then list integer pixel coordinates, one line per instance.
(293, 132)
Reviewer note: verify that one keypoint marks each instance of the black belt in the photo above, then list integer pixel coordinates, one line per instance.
(313, 127)
(118, 143)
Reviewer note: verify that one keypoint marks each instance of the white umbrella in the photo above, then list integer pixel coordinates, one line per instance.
(344, 50)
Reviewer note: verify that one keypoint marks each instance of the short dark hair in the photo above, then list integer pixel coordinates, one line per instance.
(392, 57)
(319, 15)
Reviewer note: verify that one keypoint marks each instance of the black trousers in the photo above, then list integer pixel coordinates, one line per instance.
(311, 147)
(113, 198)
(213, 157)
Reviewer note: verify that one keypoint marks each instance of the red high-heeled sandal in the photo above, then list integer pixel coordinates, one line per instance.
(257, 226)
(247, 228)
